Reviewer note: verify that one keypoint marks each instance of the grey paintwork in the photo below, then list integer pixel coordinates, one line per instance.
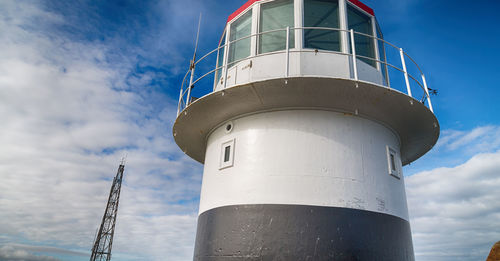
(301, 233)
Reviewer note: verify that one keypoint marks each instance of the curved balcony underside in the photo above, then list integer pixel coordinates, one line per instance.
(412, 121)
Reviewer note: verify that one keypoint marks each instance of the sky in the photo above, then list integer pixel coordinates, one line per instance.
(83, 83)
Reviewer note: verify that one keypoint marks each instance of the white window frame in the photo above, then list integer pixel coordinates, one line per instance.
(230, 162)
(374, 29)
(222, 42)
(262, 2)
(342, 26)
(228, 32)
(375, 43)
(396, 172)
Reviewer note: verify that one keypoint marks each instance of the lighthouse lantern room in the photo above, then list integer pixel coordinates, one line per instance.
(303, 126)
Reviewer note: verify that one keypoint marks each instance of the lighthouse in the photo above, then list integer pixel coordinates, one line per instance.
(303, 122)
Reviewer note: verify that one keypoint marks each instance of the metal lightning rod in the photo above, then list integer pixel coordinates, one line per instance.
(193, 62)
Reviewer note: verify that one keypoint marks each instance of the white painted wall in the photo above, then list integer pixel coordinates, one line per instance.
(306, 157)
(322, 64)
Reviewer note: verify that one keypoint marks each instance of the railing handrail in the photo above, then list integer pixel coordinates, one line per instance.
(184, 103)
(305, 28)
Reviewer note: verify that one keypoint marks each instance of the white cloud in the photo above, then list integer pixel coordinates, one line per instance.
(12, 253)
(480, 139)
(12, 247)
(454, 147)
(158, 237)
(67, 118)
(455, 212)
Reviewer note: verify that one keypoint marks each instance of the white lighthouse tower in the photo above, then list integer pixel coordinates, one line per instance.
(303, 130)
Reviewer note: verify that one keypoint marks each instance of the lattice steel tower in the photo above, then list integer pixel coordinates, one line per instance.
(104, 240)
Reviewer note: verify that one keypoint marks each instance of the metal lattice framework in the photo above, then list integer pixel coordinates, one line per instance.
(104, 239)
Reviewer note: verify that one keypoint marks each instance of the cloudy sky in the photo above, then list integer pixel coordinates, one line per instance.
(83, 83)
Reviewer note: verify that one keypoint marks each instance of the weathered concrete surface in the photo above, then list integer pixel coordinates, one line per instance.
(495, 253)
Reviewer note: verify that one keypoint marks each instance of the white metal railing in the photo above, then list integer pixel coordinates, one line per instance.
(185, 97)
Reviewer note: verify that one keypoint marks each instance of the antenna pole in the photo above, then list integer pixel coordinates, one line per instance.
(124, 159)
(197, 38)
(193, 62)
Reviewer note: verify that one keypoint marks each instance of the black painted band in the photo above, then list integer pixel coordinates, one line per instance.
(301, 233)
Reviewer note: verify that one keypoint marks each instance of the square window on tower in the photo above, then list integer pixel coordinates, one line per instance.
(227, 154)
(392, 162)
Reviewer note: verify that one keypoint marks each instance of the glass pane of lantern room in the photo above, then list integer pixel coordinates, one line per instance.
(242, 27)
(276, 15)
(220, 57)
(321, 13)
(361, 23)
(382, 55)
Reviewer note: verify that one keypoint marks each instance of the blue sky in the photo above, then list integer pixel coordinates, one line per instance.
(84, 82)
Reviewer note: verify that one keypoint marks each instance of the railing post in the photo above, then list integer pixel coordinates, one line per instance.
(427, 93)
(180, 100)
(216, 71)
(353, 50)
(386, 68)
(287, 65)
(405, 71)
(190, 82)
(226, 59)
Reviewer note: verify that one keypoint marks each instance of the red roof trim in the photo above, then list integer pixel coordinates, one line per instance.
(251, 2)
(241, 9)
(362, 6)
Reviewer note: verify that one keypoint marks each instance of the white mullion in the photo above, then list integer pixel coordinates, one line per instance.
(255, 29)
(298, 7)
(226, 54)
(375, 42)
(343, 25)
(257, 39)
